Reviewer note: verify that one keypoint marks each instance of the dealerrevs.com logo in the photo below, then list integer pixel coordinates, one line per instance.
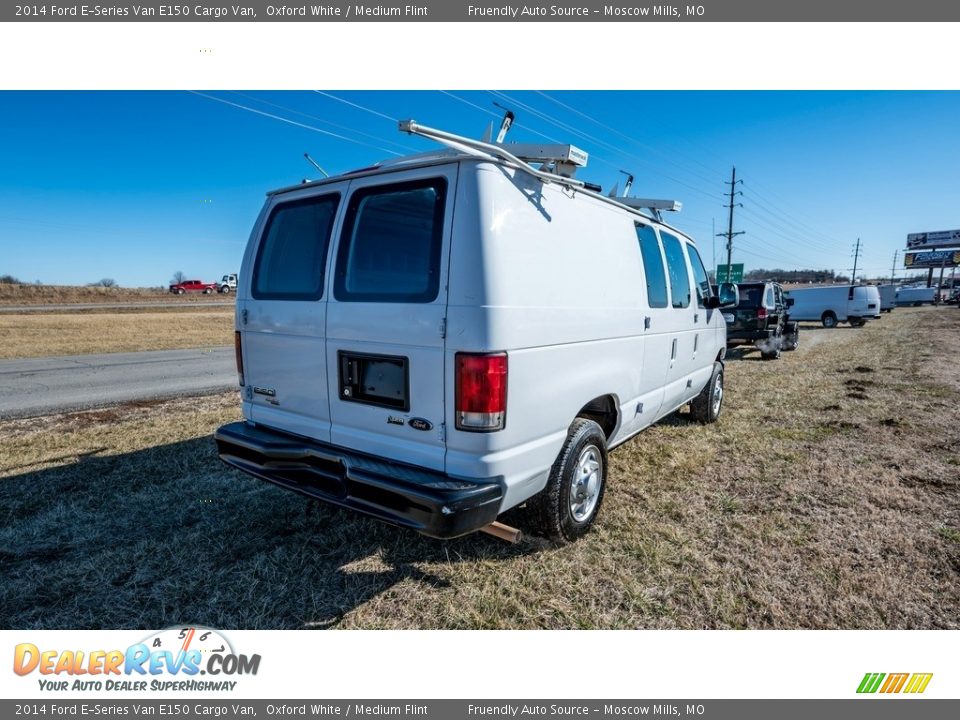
(910, 683)
(169, 660)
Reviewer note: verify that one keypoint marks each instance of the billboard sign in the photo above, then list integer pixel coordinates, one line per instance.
(932, 259)
(941, 238)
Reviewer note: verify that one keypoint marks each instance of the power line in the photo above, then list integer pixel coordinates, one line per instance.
(592, 138)
(496, 115)
(356, 105)
(669, 157)
(291, 122)
(322, 120)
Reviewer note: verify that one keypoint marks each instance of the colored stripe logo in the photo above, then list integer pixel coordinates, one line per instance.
(914, 683)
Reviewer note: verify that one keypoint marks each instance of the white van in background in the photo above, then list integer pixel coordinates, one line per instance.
(916, 296)
(436, 339)
(888, 297)
(854, 304)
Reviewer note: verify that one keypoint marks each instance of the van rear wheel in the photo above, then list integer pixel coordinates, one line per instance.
(566, 508)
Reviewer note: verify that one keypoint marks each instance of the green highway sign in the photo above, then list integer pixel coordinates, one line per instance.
(736, 273)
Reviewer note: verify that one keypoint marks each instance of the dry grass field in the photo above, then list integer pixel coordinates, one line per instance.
(73, 333)
(17, 294)
(828, 496)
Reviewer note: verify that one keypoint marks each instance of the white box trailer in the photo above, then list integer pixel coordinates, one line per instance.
(854, 304)
(888, 297)
(916, 296)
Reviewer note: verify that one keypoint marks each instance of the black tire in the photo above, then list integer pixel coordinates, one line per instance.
(791, 337)
(828, 319)
(551, 510)
(858, 322)
(706, 407)
(180, 291)
(225, 290)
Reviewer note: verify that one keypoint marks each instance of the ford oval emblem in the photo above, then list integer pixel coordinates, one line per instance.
(420, 424)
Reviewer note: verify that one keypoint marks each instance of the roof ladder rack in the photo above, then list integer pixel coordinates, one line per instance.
(654, 206)
(564, 158)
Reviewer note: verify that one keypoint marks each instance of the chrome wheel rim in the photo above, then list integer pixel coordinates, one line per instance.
(586, 483)
(717, 394)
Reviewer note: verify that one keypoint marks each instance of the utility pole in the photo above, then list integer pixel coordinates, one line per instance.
(893, 268)
(856, 256)
(729, 234)
(713, 232)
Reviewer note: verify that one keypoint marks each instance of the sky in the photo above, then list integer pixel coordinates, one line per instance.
(136, 186)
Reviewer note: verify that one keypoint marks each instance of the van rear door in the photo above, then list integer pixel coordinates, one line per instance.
(387, 314)
(282, 315)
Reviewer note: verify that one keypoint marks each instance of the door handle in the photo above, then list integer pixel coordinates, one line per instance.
(673, 350)
(646, 323)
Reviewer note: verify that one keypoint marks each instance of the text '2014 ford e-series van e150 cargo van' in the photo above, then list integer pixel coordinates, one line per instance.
(437, 339)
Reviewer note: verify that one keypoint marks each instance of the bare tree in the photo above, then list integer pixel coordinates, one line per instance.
(106, 282)
(178, 277)
(10, 280)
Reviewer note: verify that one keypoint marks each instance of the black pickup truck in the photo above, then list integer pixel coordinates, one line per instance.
(762, 318)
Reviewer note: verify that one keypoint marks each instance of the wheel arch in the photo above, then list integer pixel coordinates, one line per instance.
(605, 412)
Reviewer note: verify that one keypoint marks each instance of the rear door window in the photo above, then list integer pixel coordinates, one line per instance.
(293, 252)
(652, 266)
(677, 267)
(391, 242)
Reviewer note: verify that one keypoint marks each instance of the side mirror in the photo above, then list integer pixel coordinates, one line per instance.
(790, 302)
(729, 295)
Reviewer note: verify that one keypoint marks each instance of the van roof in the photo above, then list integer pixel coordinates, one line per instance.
(439, 157)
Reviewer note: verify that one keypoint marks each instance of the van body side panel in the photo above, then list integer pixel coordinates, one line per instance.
(556, 281)
(811, 303)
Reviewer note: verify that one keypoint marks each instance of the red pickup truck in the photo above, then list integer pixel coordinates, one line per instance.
(193, 286)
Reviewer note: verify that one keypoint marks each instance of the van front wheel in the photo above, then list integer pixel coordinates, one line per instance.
(566, 508)
(706, 406)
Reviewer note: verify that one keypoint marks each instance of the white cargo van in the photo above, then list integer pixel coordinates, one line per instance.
(888, 297)
(437, 339)
(916, 296)
(854, 304)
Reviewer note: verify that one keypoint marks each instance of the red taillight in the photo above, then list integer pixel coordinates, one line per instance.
(239, 353)
(761, 313)
(481, 392)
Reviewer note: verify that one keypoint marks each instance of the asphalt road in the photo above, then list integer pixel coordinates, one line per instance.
(41, 386)
(115, 306)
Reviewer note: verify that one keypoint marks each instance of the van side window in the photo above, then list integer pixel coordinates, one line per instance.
(293, 251)
(699, 275)
(652, 266)
(390, 246)
(677, 267)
